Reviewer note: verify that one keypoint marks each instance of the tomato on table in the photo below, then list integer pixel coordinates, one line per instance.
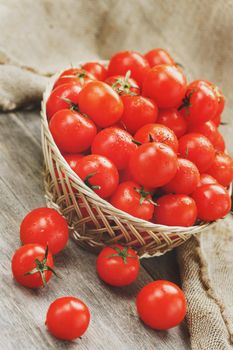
(118, 265)
(186, 179)
(161, 305)
(175, 210)
(67, 318)
(71, 131)
(96, 69)
(158, 56)
(222, 168)
(153, 164)
(172, 118)
(166, 85)
(32, 265)
(74, 75)
(115, 144)
(63, 97)
(98, 173)
(157, 133)
(198, 149)
(101, 103)
(45, 226)
(134, 200)
(199, 104)
(213, 202)
(122, 62)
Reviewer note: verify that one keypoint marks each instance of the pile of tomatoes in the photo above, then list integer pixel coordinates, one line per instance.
(143, 138)
(44, 232)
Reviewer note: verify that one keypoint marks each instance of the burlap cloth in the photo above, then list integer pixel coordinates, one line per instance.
(39, 37)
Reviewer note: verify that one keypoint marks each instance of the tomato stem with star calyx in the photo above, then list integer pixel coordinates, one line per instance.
(73, 106)
(136, 142)
(41, 267)
(122, 254)
(87, 182)
(186, 101)
(143, 195)
(122, 85)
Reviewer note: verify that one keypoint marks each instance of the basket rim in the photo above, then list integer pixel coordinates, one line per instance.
(103, 203)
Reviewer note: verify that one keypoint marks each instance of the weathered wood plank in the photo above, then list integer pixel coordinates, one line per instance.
(114, 323)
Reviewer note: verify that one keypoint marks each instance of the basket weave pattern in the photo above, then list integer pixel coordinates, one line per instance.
(93, 221)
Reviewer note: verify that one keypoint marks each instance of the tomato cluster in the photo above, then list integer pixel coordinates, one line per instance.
(44, 232)
(145, 138)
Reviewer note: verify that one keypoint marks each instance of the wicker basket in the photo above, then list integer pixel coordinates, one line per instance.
(93, 221)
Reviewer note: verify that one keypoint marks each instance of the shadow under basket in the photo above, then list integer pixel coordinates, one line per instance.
(95, 223)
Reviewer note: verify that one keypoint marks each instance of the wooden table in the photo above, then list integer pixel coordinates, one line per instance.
(114, 322)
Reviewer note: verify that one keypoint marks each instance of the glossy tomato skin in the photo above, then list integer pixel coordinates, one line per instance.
(153, 164)
(71, 131)
(166, 85)
(158, 56)
(220, 100)
(209, 130)
(138, 111)
(96, 69)
(23, 261)
(57, 98)
(186, 179)
(173, 120)
(125, 61)
(115, 144)
(198, 149)
(72, 159)
(67, 318)
(101, 103)
(103, 173)
(116, 270)
(219, 143)
(161, 305)
(123, 85)
(213, 202)
(200, 103)
(175, 210)
(157, 133)
(206, 179)
(222, 168)
(127, 198)
(74, 75)
(45, 226)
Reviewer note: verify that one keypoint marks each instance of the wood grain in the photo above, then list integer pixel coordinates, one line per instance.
(114, 322)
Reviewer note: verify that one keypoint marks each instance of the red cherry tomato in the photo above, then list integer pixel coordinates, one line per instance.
(219, 143)
(67, 318)
(45, 226)
(153, 164)
(117, 265)
(206, 179)
(166, 85)
(213, 202)
(157, 133)
(101, 103)
(74, 75)
(138, 111)
(123, 85)
(32, 265)
(222, 168)
(98, 173)
(126, 175)
(134, 200)
(200, 103)
(216, 120)
(221, 101)
(173, 120)
(186, 179)
(115, 144)
(63, 97)
(158, 56)
(175, 210)
(124, 61)
(96, 69)
(198, 149)
(71, 131)
(161, 305)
